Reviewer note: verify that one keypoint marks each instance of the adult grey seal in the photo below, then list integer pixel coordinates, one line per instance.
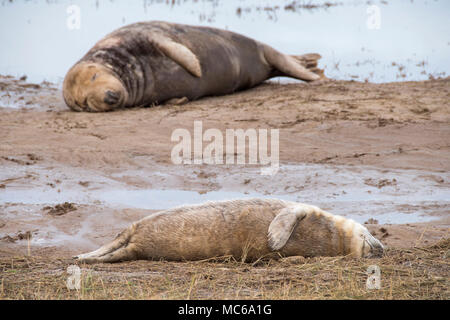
(244, 229)
(152, 62)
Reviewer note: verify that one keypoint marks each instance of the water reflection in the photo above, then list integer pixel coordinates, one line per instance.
(409, 40)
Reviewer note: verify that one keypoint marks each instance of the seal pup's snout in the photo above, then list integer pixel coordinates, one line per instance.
(111, 97)
(373, 247)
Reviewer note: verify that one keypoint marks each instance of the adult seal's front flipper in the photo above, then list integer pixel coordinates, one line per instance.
(178, 53)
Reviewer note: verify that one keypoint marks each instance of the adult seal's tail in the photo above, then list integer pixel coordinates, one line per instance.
(153, 62)
(244, 229)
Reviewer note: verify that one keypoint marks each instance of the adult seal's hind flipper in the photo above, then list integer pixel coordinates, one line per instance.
(310, 62)
(293, 66)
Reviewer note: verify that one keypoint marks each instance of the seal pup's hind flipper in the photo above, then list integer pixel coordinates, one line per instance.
(282, 226)
(178, 53)
(119, 249)
(290, 66)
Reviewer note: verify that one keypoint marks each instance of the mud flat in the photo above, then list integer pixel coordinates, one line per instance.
(377, 153)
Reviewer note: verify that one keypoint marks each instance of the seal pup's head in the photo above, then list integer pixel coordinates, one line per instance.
(90, 86)
(361, 242)
(317, 232)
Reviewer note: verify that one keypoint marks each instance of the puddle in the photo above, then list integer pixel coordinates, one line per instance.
(165, 199)
(351, 205)
(401, 196)
(358, 207)
(411, 43)
(38, 196)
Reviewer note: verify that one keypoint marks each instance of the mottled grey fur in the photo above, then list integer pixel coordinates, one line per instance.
(152, 62)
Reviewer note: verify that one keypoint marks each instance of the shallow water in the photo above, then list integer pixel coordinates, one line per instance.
(388, 211)
(407, 196)
(41, 40)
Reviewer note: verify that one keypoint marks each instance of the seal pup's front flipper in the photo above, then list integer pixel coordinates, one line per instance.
(282, 226)
(289, 65)
(178, 53)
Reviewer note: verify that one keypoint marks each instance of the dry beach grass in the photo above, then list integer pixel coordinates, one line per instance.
(414, 273)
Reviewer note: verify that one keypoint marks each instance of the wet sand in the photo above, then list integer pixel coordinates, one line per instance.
(367, 151)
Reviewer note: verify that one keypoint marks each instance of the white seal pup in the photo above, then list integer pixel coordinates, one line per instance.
(244, 229)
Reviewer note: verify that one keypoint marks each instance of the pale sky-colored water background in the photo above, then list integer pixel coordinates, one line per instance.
(412, 42)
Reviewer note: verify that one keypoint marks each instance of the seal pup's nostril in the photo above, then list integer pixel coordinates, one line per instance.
(111, 97)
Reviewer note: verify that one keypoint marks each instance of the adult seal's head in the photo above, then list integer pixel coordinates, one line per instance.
(90, 86)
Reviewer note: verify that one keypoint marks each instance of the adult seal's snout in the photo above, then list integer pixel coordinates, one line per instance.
(111, 97)
(151, 62)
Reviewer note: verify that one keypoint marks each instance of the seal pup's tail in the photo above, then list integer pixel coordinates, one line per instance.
(120, 249)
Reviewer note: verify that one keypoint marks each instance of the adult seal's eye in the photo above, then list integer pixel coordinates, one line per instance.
(111, 97)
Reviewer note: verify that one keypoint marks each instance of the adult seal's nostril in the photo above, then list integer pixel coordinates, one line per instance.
(111, 97)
